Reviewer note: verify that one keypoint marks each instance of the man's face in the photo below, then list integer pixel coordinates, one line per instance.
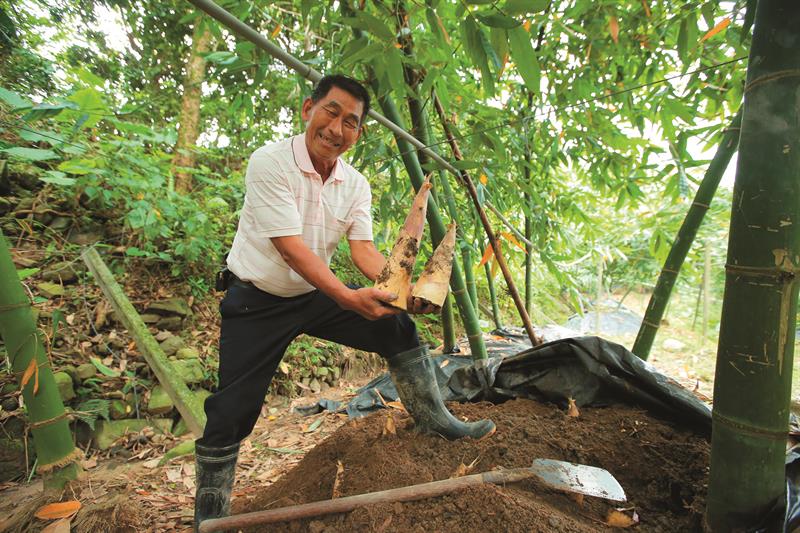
(333, 124)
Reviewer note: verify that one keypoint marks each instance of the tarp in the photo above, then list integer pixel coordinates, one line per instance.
(589, 370)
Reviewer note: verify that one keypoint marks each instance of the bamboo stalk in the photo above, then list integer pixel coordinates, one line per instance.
(396, 274)
(535, 339)
(683, 241)
(52, 440)
(188, 405)
(449, 340)
(493, 296)
(752, 385)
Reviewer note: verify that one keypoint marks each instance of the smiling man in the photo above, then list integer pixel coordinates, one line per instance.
(301, 198)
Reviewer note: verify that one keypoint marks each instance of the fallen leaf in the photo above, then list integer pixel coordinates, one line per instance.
(396, 405)
(61, 526)
(314, 426)
(613, 28)
(389, 427)
(58, 510)
(152, 463)
(88, 464)
(444, 363)
(338, 479)
(463, 469)
(572, 410)
(716, 29)
(616, 518)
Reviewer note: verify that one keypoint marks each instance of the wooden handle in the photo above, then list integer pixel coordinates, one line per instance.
(343, 505)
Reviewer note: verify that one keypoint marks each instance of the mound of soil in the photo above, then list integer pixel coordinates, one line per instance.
(662, 468)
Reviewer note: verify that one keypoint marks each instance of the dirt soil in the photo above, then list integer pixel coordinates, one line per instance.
(662, 468)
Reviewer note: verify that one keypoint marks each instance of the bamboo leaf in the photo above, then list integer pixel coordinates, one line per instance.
(466, 164)
(41, 111)
(103, 369)
(520, 7)
(14, 100)
(513, 240)
(28, 374)
(683, 39)
(370, 23)
(497, 20)
(59, 526)
(30, 154)
(613, 28)
(487, 254)
(436, 25)
(472, 35)
(58, 510)
(716, 29)
(525, 58)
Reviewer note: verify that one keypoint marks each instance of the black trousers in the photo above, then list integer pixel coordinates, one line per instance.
(257, 327)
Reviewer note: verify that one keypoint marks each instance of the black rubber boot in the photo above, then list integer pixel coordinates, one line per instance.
(414, 378)
(214, 471)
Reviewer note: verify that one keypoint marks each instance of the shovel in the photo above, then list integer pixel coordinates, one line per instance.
(559, 475)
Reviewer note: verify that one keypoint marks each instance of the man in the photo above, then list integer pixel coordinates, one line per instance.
(300, 199)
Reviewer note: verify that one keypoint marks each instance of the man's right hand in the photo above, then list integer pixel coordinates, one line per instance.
(370, 303)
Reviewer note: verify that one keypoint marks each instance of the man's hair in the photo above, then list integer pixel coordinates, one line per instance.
(346, 84)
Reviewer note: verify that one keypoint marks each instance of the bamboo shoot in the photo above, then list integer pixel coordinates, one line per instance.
(434, 282)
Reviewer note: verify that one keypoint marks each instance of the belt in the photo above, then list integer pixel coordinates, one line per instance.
(244, 284)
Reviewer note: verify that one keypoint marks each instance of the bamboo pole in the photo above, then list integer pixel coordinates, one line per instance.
(755, 353)
(246, 32)
(535, 339)
(706, 288)
(449, 338)
(683, 241)
(188, 405)
(55, 452)
(498, 324)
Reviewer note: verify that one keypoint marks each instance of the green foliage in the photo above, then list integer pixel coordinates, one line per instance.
(89, 411)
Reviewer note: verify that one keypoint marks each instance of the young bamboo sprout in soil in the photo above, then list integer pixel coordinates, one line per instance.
(396, 275)
(434, 283)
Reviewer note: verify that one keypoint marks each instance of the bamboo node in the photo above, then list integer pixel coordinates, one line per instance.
(75, 455)
(773, 76)
(785, 275)
(771, 434)
(698, 204)
(43, 423)
(656, 326)
(11, 307)
(665, 269)
(731, 128)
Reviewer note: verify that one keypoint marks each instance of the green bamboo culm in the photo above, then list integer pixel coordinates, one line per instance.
(493, 296)
(685, 238)
(449, 340)
(756, 342)
(55, 452)
(457, 287)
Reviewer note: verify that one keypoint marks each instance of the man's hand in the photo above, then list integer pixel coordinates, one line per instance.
(370, 303)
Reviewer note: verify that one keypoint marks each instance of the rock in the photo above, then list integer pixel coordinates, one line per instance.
(106, 432)
(50, 290)
(171, 345)
(9, 404)
(85, 371)
(163, 335)
(63, 271)
(315, 386)
(85, 237)
(187, 353)
(73, 373)
(159, 403)
(150, 318)
(64, 383)
(172, 323)
(119, 409)
(60, 223)
(189, 370)
(673, 345)
(170, 306)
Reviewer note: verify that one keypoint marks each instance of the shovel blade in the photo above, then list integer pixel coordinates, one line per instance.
(582, 479)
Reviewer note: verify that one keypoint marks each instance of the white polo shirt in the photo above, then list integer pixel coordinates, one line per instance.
(285, 196)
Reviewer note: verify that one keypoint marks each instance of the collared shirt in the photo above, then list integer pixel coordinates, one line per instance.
(284, 196)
